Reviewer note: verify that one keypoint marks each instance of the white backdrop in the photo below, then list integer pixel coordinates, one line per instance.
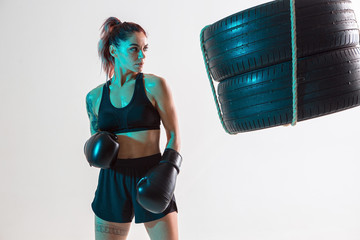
(293, 183)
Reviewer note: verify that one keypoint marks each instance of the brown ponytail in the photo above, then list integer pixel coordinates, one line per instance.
(112, 31)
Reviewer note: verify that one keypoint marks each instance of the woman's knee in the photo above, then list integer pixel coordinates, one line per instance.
(105, 230)
(163, 228)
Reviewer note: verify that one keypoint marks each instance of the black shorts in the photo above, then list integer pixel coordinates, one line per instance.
(115, 196)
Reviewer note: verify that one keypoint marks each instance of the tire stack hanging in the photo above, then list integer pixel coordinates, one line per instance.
(249, 54)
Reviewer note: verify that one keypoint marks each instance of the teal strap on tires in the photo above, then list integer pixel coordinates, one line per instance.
(211, 81)
(294, 61)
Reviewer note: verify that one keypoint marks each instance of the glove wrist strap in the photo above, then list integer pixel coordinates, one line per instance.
(173, 157)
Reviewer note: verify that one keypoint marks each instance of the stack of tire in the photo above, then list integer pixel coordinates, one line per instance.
(249, 54)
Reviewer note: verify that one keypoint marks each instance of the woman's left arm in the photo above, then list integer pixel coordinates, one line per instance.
(166, 108)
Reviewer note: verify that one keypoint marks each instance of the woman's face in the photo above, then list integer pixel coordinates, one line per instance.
(131, 53)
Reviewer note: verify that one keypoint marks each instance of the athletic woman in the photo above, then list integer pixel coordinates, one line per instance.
(130, 104)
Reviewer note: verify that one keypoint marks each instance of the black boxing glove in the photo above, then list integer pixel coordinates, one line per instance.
(101, 149)
(156, 189)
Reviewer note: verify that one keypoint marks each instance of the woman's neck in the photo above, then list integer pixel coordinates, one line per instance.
(120, 78)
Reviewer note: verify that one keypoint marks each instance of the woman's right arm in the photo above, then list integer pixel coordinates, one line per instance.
(90, 110)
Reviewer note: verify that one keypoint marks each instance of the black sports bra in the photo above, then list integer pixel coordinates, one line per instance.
(138, 115)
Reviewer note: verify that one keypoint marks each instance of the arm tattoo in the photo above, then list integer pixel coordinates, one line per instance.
(94, 125)
(92, 117)
(111, 229)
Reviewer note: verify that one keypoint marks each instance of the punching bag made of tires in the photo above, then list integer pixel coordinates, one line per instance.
(252, 63)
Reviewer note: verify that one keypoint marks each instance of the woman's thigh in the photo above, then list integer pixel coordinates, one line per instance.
(165, 228)
(105, 230)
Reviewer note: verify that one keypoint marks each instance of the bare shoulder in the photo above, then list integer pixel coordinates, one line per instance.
(94, 94)
(154, 82)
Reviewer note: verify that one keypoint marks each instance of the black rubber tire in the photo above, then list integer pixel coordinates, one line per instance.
(261, 36)
(327, 83)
